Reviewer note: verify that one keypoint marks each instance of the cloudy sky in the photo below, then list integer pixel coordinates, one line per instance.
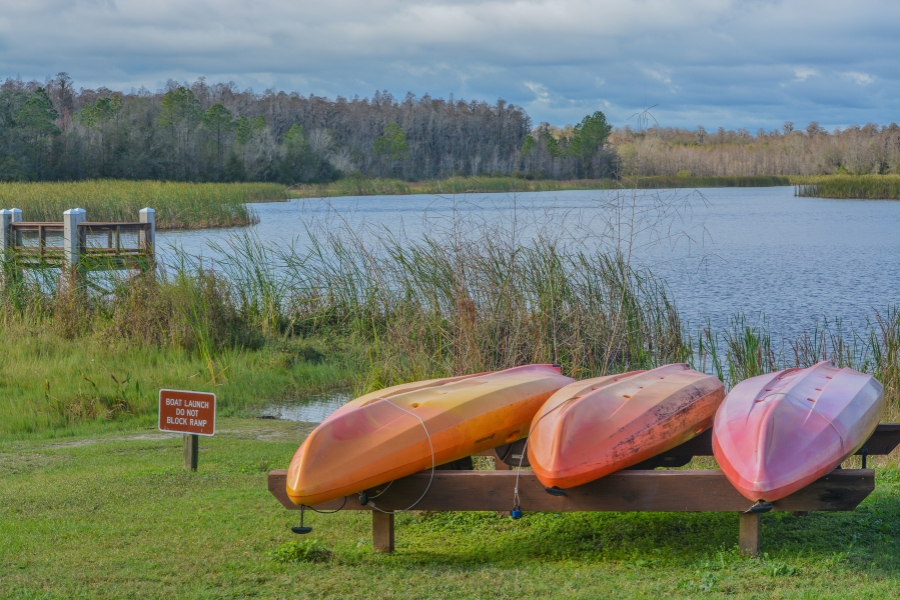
(751, 63)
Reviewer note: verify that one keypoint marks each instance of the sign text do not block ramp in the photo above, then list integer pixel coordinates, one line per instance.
(183, 411)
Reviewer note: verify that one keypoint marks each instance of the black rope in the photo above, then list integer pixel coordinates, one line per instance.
(330, 512)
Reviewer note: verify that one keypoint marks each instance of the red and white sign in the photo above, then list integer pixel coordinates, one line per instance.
(183, 411)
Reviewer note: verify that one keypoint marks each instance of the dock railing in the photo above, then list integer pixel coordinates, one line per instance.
(77, 244)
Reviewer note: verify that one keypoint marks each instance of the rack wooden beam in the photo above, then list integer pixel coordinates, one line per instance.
(625, 491)
(633, 490)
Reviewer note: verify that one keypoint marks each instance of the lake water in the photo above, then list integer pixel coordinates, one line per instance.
(312, 409)
(721, 251)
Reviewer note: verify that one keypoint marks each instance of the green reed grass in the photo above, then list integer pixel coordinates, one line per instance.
(432, 309)
(860, 187)
(358, 186)
(177, 205)
(746, 349)
(457, 302)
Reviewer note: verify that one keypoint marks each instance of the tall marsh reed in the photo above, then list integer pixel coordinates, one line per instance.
(746, 349)
(177, 205)
(860, 187)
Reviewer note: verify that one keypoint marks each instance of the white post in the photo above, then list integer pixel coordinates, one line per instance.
(148, 238)
(6, 242)
(16, 215)
(6, 219)
(71, 239)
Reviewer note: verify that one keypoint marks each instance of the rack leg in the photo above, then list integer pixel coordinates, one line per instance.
(748, 538)
(382, 532)
(499, 465)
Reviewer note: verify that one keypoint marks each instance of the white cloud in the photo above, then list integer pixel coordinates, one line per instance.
(541, 93)
(859, 78)
(663, 77)
(727, 57)
(804, 73)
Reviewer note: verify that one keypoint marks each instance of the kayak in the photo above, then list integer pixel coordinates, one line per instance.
(408, 428)
(776, 433)
(595, 427)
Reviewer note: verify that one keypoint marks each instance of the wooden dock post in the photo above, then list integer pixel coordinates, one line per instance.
(6, 217)
(147, 239)
(10, 272)
(6, 243)
(72, 218)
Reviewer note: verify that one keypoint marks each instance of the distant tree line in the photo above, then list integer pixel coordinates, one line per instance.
(203, 132)
(870, 149)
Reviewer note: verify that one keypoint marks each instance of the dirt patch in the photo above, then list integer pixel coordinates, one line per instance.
(118, 438)
(272, 431)
(266, 430)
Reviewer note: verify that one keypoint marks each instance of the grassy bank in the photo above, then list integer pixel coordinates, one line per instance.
(115, 516)
(96, 356)
(362, 312)
(269, 322)
(56, 386)
(177, 205)
(859, 187)
(465, 185)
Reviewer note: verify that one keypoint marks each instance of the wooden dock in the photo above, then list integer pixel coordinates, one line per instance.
(76, 244)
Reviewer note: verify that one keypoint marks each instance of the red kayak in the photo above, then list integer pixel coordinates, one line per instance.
(595, 427)
(776, 433)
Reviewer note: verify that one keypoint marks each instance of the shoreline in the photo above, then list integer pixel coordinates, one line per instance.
(477, 185)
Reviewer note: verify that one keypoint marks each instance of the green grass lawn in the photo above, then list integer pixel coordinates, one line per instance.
(114, 515)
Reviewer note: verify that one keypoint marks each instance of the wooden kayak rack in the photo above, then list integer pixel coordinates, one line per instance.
(637, 489)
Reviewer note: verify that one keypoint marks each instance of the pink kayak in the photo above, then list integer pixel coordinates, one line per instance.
(779, 432)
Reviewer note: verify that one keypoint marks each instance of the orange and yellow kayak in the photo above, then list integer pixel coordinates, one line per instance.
(379, 437)
(595, 427)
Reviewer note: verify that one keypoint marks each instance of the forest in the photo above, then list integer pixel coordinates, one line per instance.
(205, 132)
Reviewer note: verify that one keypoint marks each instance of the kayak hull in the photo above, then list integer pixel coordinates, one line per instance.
(777, 433)
(401, 430)
(595, 427)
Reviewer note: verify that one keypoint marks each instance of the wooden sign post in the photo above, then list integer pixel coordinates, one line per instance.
(190, 413)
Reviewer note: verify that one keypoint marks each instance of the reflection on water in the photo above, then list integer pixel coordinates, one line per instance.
(312, 409)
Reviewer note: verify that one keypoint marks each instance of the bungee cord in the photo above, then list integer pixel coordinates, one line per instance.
(516, 512)
(433, 466)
